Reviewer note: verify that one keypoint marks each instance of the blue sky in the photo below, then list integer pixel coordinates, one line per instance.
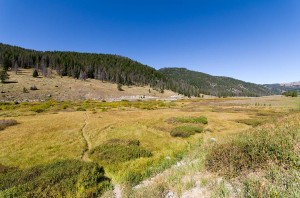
(252, 40)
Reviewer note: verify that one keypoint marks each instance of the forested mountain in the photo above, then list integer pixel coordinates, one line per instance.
(122, 70)
(215, 85)
(105, 67)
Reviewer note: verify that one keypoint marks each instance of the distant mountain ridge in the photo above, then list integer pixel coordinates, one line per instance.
(291, 84)
(122, 70)
(216, 85)
(283, 87)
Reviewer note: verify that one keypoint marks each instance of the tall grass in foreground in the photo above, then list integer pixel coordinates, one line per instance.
(266, 160)
(130, 162)
(68, 178)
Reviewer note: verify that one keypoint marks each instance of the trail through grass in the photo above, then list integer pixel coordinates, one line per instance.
(87, 142)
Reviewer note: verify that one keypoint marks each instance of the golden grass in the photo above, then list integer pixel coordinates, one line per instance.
(56, 134)
(42, 138)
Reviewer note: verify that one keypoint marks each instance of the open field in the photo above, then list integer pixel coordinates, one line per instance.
(51, 131)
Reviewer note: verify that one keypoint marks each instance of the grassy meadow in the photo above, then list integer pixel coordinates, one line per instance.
(182, 145)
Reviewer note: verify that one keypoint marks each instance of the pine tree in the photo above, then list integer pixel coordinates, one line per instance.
(35, 73)
(120, 87)
(3, 75)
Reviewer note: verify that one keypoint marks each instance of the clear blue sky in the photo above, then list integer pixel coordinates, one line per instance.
(252, 40)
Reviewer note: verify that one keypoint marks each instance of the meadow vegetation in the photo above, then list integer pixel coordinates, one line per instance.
(67, 178)
(272, 151)
(252, 121)
(56, 106)
(254, 148)
(116, 151)
(200, 120)
(186, 131)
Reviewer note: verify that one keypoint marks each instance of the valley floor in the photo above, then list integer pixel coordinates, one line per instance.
(169, 166)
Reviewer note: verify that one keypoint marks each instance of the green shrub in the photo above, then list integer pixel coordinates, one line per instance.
(3, 75)
(123, 142)
(200, 120)
(38, 109)
(185, 131)
(133, 178)
(252, 122)
(80, 109)
(291, 93)
(119, 86)
(116, 151)
(65, 106)
(257, 148)
(70, 178)
(41, 107)
(25, 90)
(276, 182)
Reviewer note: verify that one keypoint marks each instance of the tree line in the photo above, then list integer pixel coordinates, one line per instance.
(215, 85)
(291, 93)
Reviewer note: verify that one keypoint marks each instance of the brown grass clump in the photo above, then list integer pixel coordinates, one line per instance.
(4, 169)
(7, 123)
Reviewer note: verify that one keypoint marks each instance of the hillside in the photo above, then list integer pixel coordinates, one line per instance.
(19, 88)
(104, 67)
(122, 70)
(215, 85)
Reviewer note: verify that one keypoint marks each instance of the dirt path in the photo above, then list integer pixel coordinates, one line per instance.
(86, 138)
(117, 191)
(165, 173)
(88, 145)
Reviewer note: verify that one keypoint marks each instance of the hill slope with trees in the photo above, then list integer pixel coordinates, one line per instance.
(104, 67)
(124, 71)
(215, 85)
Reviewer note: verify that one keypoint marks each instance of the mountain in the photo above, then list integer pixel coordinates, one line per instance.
(104, 67)
(122, 70)
(215, 85)
(283, 87)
